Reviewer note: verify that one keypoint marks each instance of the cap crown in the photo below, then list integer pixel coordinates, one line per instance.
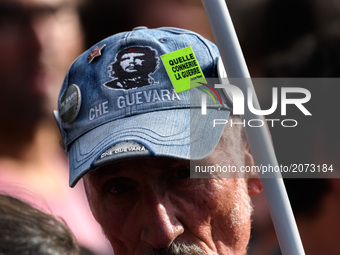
(97, 89)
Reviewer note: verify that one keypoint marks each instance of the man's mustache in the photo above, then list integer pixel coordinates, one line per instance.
(177, 248)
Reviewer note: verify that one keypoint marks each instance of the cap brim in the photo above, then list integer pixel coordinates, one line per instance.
(164, 134)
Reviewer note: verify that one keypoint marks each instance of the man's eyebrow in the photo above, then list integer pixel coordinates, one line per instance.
(166, 164)
(104, 171)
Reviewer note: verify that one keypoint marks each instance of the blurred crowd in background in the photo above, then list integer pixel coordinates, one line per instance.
(39, 39)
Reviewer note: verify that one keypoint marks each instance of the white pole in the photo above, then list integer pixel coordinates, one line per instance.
(258, 138)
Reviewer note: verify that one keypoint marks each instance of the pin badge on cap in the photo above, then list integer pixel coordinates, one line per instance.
(70, 104)
(183, 69)
(96, 52)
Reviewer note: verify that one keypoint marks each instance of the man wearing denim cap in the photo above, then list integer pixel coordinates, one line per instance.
(134, 148)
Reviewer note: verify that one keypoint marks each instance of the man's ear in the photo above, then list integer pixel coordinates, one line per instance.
(254, 182)
(254, 185)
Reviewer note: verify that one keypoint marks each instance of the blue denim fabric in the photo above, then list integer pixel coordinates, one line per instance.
(153, 115)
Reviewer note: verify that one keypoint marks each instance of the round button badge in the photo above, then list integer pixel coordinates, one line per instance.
(70, 104)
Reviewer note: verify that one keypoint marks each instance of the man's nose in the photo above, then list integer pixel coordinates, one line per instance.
(133, 61)
(160, 226)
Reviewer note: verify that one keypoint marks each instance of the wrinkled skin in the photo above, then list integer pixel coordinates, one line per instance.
(147, 204)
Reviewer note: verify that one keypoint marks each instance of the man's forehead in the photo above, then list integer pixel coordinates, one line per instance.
(143, 165)
(138, 164)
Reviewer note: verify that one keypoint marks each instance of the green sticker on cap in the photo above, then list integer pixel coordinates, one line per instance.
(183, 69)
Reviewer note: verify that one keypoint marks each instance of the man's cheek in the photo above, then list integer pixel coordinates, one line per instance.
(199, 205)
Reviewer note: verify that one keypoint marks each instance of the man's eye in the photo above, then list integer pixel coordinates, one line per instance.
(119, 186)
(182, 172)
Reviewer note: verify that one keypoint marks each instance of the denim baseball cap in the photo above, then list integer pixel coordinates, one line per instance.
(109, 109)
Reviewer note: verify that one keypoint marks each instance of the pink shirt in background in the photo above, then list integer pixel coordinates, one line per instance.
(70, 204)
